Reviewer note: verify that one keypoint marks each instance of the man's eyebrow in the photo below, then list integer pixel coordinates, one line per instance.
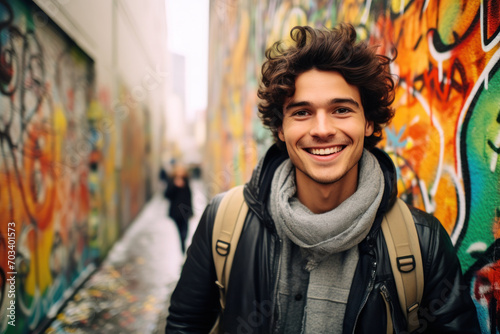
(297, 104)
(338, 100)
(347, 100)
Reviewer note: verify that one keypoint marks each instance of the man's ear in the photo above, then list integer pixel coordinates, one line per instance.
(369, 129)
(281, 135)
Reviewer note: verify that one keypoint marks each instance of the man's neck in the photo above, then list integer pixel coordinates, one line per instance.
(320, 198)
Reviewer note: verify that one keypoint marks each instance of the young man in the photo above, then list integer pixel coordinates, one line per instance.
(312, 257)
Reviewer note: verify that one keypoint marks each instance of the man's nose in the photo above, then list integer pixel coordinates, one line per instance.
(322, 126)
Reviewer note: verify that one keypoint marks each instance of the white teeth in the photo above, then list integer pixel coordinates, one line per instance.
(326, 151)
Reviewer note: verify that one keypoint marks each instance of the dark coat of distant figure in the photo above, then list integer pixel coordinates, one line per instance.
(178, 192)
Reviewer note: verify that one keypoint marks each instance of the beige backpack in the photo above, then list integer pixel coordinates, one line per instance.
(401, 239)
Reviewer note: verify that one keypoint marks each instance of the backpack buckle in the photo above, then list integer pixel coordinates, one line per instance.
(222, 247)
(406, 263)
(412, 308)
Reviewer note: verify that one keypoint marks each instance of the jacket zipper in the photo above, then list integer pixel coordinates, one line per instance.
(385, 292)
(388, 301)
(367, 293)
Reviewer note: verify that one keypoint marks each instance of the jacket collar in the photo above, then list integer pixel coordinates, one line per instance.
(389, 171)
(390, 190)
(257, 190)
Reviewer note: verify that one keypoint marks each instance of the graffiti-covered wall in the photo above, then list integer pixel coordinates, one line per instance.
(445, 137)
(75, 160)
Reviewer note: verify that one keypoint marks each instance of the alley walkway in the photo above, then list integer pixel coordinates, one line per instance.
(130, 291)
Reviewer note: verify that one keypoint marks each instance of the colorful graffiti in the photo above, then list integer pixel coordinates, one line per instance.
(445, 137)
(61, 207)
(134, 168)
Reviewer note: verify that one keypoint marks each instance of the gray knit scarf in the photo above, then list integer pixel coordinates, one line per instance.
(320, 235)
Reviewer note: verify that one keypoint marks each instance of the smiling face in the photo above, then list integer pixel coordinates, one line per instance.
(324, 127)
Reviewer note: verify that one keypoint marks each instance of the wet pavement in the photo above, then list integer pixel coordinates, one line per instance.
(130, 291)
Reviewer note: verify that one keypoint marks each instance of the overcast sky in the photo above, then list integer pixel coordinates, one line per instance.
(187, 24)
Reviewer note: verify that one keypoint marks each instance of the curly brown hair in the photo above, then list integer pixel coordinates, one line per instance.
(326, 50)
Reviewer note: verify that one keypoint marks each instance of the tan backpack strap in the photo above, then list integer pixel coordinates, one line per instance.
(228, 224)
(406, 260)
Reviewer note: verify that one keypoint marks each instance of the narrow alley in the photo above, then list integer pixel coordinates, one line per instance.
(130, 291)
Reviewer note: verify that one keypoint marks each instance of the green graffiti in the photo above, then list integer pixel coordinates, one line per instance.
(483, 130)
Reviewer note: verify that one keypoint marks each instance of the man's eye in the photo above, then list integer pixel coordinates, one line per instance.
(342, 110)
(300, 113)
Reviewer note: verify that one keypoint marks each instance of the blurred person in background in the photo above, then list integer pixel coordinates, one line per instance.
(178, 192)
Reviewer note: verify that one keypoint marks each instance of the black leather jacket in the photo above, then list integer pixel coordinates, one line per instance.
(446, 305)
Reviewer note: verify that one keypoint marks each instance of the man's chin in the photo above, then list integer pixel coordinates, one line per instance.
(324, 180)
